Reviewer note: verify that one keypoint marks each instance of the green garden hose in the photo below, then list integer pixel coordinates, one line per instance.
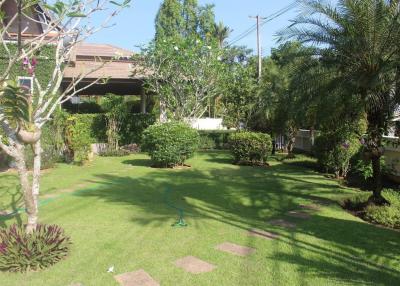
(180, 222)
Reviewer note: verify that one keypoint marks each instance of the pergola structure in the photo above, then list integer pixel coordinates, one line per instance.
(111, 63)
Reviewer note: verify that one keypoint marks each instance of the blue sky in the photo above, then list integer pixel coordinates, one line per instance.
(135, 26)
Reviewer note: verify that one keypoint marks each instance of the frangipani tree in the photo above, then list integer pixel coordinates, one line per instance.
(184, 73)
(23, 114)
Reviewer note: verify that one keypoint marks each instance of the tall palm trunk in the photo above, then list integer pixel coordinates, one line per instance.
(375, 151)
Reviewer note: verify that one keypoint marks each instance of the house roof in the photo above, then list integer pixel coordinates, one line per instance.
(88, 56)
(101, 50)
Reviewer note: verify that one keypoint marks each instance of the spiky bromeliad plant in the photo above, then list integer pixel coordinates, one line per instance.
(21, 252)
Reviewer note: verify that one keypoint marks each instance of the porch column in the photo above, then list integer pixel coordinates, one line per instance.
(143, 101)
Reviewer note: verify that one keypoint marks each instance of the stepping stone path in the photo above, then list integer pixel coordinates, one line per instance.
(299, 214)
(263, 234)
(137, 278)
(194, 265)
(322, 202)
(235, 249)
(282, 223)
(312, 207)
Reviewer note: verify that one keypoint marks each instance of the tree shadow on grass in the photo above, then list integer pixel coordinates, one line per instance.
(11, 193)
(138, 162)
(245, 197)
(365, 254)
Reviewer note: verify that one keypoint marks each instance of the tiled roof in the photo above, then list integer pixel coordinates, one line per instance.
(101, 50)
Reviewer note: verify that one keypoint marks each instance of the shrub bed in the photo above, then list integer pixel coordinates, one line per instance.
(215, 139)
(21, 252)
(387, 215)
(170, 144)
(334, 151)
(250, 148)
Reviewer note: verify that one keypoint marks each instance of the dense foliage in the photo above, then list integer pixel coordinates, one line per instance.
(214, 139)
(334, 151)
(170, 144)
(187, 75)
(21, 252)
(357, 46)
(250, 148)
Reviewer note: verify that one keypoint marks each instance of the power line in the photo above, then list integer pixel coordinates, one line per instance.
(266, 20)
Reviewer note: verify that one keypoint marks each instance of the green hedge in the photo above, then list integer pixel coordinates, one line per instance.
(131, 130)
(250, 148)
(170, 144)
(134, 126)
(214, 139)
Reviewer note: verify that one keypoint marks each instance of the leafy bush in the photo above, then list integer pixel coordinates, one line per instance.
(207, 143)
(21, 252)
(214, 139)
(78, 140)
(334, 151)
(170, 144)
(250, 148)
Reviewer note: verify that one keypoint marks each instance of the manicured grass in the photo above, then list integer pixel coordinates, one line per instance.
(118, 216)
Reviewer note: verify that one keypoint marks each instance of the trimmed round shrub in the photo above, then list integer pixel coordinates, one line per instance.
(170, 144)
(334, 152)
(250, 148)
(21, 252)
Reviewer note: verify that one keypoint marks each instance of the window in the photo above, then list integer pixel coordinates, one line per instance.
(26, 83)
(75, 100)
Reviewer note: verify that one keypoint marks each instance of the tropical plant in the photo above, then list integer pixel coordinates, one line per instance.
(221, 33)
(186, 74)
(22, 252)
(116, 111)
(23, 113)
(358, 42)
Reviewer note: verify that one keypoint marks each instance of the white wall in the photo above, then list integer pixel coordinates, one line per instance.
(206, 123)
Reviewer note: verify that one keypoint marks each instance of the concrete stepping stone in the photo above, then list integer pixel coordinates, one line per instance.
(235, 249)
(194, 265)
(262, 234)
(136, 278)
(299, 214)
(323, 202)
(282, 223)
(312, 207)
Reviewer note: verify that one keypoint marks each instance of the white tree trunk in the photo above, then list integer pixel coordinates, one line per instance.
(29, 198)
(163, 111)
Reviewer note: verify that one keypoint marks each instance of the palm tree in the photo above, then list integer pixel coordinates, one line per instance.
(221, 33)
(359, 41)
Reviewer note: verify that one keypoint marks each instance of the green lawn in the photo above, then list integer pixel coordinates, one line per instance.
(118, 216)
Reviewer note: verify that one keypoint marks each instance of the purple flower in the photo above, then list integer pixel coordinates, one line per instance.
(25, 62)
(346, 145)
(3, 248)
(34, 62)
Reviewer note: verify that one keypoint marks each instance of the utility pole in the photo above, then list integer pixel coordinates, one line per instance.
(258, 19)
